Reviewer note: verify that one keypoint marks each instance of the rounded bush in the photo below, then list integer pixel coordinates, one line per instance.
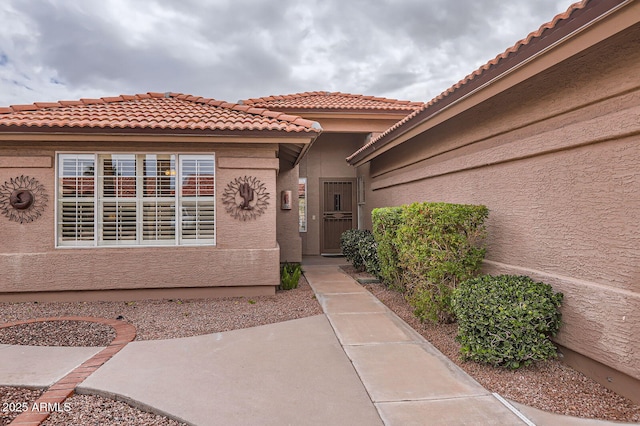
(506, 320)
(350, 244)
(368, 251)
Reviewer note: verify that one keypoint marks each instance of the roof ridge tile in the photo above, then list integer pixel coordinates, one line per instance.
(271, 114)
(27, 107)
(349, 101)
(47, 104)
(109, 99)
(91, 101)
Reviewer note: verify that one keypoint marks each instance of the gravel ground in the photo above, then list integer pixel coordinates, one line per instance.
(153, 319)
(58, 333)
(97, 411)
(168, 319)
(13, 402)
(549, 386)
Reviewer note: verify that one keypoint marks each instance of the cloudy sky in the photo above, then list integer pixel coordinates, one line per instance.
(236, 49)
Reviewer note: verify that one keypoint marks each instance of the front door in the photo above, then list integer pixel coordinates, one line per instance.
(338, 206)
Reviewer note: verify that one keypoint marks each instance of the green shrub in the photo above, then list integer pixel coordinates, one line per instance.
(351, 241)
(506, 320)
(385, 225)
(438, 246)
(290, 275)
(367, 250)
(349, 246)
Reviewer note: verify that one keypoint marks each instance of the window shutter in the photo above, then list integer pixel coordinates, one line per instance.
(136, 199)
(76, 197)
(197, 208)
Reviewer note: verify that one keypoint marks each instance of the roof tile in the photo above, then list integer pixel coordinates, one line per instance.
(335, 101)
(24, 107)
(150, 111)
(47, 104)
(69, 103)
(107, 99)
(91, 101)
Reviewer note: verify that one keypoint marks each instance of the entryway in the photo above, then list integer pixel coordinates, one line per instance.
(338, 207)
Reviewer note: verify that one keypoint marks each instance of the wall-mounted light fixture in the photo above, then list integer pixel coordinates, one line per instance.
(285, 200)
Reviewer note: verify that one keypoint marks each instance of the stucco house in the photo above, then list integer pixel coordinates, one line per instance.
(547, 135)
(154, 195)
(329, 186)
(169, 195)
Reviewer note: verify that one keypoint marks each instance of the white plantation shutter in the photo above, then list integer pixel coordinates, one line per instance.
(159, 199)
(77, 222)
(76, 200)
(119, 223)
(117, 178)
(197, 199)
(159, 222)
(136, 199)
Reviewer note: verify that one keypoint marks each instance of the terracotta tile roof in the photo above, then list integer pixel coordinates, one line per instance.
(333, 101)
(150, 111)
(577, 15)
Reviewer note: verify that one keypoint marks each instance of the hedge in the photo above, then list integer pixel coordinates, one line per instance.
(385, 225)
(428, 249)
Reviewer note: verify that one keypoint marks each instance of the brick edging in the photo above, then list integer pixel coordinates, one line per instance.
(54, 397)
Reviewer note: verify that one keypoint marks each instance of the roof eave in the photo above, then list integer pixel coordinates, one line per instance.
(44, 134)
(580, 20)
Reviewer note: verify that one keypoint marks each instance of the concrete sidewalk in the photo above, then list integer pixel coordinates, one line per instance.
(358, 364)
(288, 373)
(408, 380)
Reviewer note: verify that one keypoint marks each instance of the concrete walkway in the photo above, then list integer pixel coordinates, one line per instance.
(358, 364)
(407, 379)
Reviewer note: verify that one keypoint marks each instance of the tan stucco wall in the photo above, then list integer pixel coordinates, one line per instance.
(557, 161)
(246, 253)
(288, 236)
(325, 159)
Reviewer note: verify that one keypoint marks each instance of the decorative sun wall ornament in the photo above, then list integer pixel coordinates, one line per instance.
(245, 198)
(22, 199)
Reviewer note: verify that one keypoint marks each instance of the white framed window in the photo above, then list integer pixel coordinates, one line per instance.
(302, 204)
(197, 199)
(76, 199)
(135, 199)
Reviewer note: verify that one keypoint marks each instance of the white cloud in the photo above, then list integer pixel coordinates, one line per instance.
(409, 49)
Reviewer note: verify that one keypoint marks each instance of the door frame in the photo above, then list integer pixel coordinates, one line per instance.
(354, 209)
